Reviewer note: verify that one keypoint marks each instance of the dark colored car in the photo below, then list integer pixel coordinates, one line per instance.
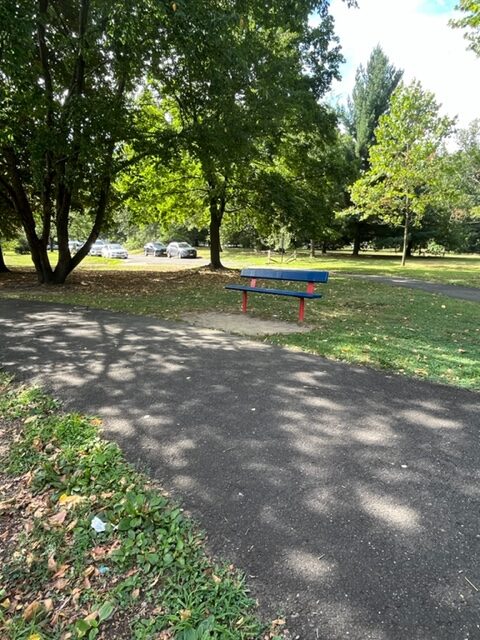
(156, 249)
(181, 250)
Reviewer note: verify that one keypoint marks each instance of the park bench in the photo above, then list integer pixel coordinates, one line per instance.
(286, 275)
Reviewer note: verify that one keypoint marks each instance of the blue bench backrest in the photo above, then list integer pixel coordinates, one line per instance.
(285, 274)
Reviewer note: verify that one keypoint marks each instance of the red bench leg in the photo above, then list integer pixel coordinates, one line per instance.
(301, 310)
(244, 301)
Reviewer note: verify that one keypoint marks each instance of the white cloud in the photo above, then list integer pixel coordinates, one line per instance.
(416, 37)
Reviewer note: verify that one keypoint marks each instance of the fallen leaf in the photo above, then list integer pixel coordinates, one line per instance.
(72, 524)
(5, 604)
(185, 614)
(62, 570)
(91, 616)
(70, 501)
(216, 579)
(58, 519)
(31, 610)
(30, 419)
(98, 552)
(48, 604)
(278, 622)
(52, 564)
(60, 584)
(135, 593)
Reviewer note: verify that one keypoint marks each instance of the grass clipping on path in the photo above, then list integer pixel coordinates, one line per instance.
(146, 576)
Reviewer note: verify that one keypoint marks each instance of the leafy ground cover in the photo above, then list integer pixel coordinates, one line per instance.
(459, 270)
(411, 332)
(142, 574)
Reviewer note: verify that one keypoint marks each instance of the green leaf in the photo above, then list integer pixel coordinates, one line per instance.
(105, 611)
(82, 628)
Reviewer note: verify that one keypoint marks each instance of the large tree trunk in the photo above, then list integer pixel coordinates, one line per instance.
(312, 249)
(405, 240)
(217, 209)
(409, 248)
(3, 266)
(215, 247)
(357, 239)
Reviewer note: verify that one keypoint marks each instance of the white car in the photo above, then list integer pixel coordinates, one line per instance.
(96, 248)
(74, 246)
(181, 250)
(114, 251)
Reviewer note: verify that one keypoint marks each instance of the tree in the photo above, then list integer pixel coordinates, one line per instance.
(370, 99)
(405, 175)
(238, 92)
(470, 22)
(68, 71)
(374, 86)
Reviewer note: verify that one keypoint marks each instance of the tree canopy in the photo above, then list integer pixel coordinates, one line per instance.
(236, 73)
(404, 178)
(470, 22)
(68, 72)
(370, 99)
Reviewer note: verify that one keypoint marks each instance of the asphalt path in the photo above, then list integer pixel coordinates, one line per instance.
(349, 497)
(471, 294)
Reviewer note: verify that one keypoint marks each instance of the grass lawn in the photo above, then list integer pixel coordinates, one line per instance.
(145, 576)
(460, 270)
(410, 332)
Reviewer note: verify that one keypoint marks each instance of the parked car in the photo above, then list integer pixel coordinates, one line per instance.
(155, 249)
(96, 248)
(114, 251)
(74, 245)
(181, 250)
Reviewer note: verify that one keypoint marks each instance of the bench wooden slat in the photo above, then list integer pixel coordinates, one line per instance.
(294, 275)
(278, 292)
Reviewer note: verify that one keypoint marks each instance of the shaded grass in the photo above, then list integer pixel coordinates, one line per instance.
(411, 332)
(146, 576)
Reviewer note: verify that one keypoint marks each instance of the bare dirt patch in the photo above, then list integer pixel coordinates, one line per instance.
(243, 324)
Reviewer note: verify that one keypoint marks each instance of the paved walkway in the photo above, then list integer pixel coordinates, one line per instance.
(349, 497)
(451, 290)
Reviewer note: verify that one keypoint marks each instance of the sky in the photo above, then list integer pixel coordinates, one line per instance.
(416, 37)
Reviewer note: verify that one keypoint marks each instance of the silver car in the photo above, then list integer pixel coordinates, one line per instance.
(114, 251)
(181, 250)
(96, 248)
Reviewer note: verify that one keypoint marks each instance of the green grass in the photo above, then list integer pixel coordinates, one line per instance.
(459, 270)
(146, 576)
